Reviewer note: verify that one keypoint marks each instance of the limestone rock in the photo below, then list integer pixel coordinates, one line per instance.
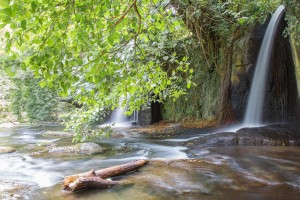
(81, 148)
(7, 150)
(57, 134)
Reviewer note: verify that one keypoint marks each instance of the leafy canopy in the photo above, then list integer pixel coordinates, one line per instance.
(101, 51)
(98, 51)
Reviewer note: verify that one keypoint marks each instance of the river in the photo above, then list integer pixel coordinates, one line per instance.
(175, 171)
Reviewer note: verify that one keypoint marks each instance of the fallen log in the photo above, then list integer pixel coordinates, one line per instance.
(96, 179)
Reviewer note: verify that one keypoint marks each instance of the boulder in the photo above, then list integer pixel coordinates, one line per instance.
(81, 148)
(270, 135)
(7, 150)
(172, 128)
(224, 138)
(58, 134)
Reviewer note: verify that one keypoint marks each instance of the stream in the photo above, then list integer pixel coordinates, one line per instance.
(211, 172)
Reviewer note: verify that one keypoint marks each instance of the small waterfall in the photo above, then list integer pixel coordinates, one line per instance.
(118, 117)
(257, 93)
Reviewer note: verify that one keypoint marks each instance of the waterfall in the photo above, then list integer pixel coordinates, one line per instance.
(257, 93)
(118, 117)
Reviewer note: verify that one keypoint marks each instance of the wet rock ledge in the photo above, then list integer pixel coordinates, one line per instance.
(270, 135)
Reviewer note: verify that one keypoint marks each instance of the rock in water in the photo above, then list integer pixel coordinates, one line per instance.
(7, 150)
(57, 134)
(270, 135)
(81, 148)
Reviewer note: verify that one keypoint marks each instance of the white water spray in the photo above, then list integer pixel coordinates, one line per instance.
(119, 118)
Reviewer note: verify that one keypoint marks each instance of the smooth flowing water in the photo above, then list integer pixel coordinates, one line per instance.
(255, 104)
(197, 173)
(119, 117)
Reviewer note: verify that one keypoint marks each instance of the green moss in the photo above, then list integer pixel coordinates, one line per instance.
(201, 101)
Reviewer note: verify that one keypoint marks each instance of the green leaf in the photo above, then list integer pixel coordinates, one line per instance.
(242, 20)
(33, 6)
(176, 23)
(23, 24)
(4, 3)
(8, 11)
(51, 42)
(11, 71)
(7, 35)
(42, 84)
(188, 85)
(158, 25)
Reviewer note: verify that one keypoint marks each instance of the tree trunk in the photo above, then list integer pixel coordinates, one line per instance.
(83, 183)
(226, 111)
(96, 179)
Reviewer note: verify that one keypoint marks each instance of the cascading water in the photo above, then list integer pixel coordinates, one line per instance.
(257, 93)
(119, 118)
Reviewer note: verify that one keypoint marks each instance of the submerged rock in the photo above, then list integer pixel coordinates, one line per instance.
(15, 189)
(270, 135)
(7, 150)
(57, 134)
(81, 148)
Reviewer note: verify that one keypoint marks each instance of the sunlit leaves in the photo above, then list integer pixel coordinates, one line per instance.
(4, 3)
(42, 84)
(98, 51)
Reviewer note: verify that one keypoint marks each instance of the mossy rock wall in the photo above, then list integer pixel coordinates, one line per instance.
(296, 56)
(281, 100)
(201, 101)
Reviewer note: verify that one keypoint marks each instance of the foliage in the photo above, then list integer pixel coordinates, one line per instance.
(293, 16)
(5, 86)
(216, 24)
(97, 51)
(29, 101)
(201, 103)
(83, 123)
(101, 51)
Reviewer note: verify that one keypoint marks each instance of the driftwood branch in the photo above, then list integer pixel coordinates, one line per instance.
(97, 179)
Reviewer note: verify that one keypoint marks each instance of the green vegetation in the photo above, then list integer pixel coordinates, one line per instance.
(98, 52)
(33, 103)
